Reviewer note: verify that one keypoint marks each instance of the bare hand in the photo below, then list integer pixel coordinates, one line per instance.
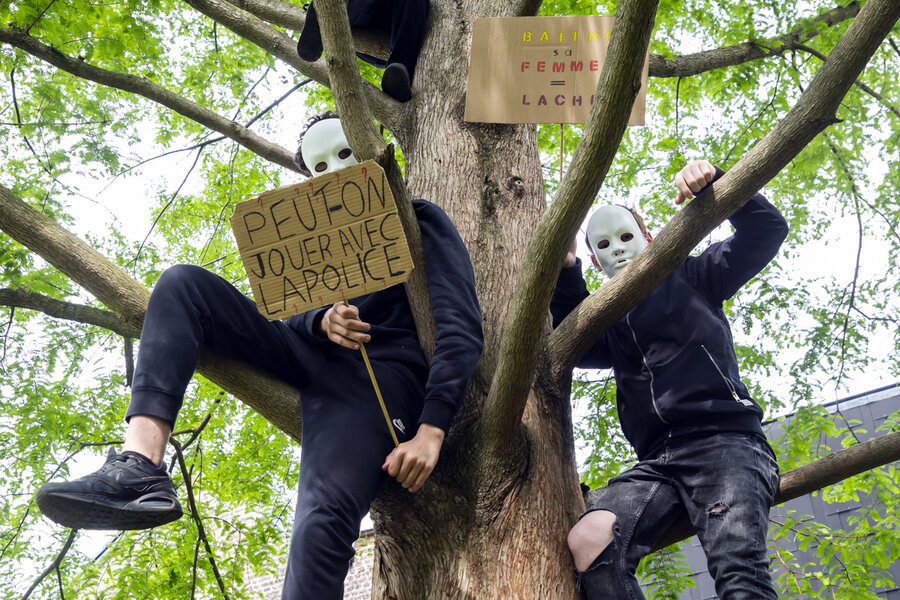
(571, 257)
(412, 462)
(692, 178)
(342, 325)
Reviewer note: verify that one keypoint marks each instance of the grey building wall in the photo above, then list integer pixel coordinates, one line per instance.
(871, 409)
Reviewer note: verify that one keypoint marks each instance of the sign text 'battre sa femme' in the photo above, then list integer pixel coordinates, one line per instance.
(540, 69)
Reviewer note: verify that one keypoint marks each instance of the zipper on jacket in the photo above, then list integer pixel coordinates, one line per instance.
(728, 383)
(647, 366)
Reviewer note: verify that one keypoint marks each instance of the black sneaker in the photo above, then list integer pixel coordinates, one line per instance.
(395, 82)
(309, 45)
(128, 492)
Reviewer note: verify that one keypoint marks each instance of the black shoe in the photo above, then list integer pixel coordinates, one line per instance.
(128, 492)
(309, 45)
(395, 82)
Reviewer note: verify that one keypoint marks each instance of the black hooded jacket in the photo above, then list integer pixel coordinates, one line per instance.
(673, 354)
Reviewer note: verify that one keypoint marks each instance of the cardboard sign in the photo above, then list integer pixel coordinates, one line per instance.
(540, 69)
(330, 238)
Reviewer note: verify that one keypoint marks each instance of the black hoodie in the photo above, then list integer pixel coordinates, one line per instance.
(673, 354)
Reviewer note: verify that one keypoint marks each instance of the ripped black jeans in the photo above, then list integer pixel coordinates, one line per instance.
(725, 482)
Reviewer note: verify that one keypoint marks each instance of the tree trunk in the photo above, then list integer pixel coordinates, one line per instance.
(510, 513)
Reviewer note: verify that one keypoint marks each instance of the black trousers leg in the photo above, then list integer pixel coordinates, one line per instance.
(403, 19)
(345, 442)
(191, 309)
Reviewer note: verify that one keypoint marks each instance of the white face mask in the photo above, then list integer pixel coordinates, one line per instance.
(615, 238)
(325, 148)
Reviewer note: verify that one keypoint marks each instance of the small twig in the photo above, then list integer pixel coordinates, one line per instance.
(893, 45)
(12, 314)
(210, 141)
(857, 82)
(194, 569)
(769, 105)
(196, 431)
(677, 108)
(171, 201)
(57, 124)
(54, 565)
(38, 18)
(62, 594)
(884, 218)
(788, 569)
(860, 235)
(195, 514)
(881, 319)
(15, 102)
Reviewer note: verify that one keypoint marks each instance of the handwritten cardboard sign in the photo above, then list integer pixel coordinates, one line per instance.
(330, 238)
(540, 69)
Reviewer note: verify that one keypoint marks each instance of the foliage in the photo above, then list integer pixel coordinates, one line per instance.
(803, 330)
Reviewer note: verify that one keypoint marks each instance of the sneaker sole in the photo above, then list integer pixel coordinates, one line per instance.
(91, 512)
(396, 84)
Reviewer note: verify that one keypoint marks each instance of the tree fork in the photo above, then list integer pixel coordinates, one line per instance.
(616, 90)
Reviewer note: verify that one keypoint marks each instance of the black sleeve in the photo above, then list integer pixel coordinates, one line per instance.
(723, 268)
(457, 315)
(570, 290)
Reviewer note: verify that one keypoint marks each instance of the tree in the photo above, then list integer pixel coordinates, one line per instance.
(84, 78)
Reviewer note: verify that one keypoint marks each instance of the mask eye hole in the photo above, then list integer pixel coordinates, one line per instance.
(627, 237)
(603, 244)
(345, 153)
(321, 167)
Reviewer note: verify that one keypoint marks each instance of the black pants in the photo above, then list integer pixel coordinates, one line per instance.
(404, 20)
(345, 437)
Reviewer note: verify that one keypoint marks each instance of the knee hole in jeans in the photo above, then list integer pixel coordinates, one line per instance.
(591, 536)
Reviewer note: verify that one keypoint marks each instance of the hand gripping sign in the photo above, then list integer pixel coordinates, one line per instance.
(327, 239)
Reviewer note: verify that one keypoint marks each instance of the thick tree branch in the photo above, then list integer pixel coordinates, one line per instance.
(284, 48)
(619, 83)
(147, 89)
(367, 143)
(729, 56)
(818, 474)
(291, 16)
(275, 400)
(814, 111)
(59, 309)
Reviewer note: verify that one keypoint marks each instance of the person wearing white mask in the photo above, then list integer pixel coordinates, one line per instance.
(192, 309)
(695, 429)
